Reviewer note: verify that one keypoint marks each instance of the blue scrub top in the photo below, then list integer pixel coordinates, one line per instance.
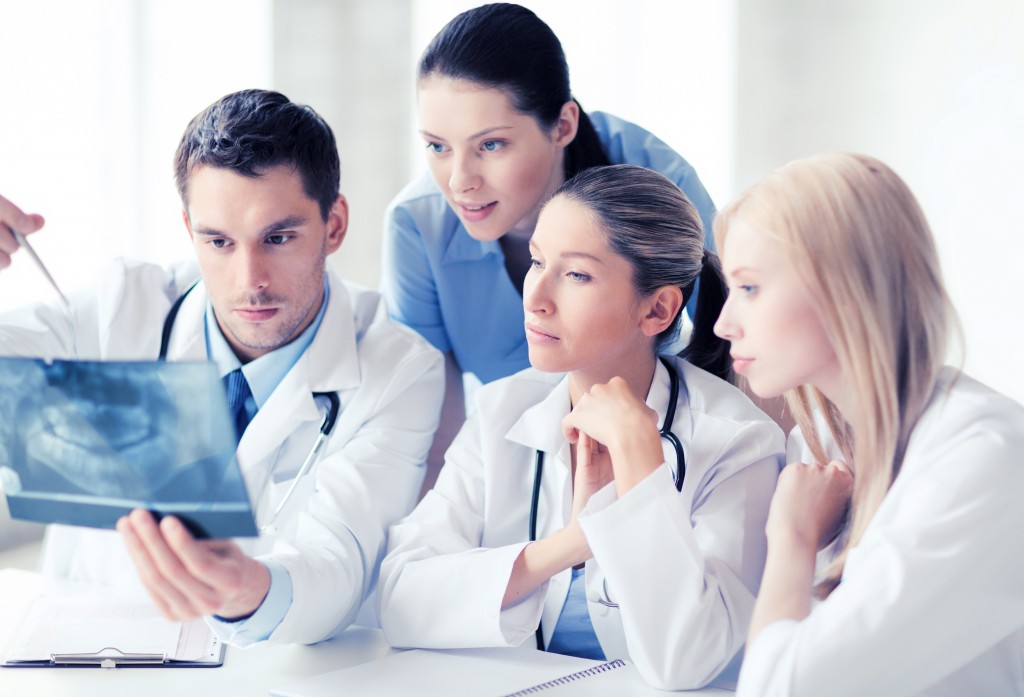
(454, 290)
(574, 633)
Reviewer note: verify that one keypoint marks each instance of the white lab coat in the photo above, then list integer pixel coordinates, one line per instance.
(684, 567)
(932, 598)
(331, 534)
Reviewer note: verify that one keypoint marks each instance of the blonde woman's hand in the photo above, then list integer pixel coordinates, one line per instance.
(622, 424)
(810, 503)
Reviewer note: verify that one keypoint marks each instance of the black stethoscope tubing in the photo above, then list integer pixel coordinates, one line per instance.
(665, 432)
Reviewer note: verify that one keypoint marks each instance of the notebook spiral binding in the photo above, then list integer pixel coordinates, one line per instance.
(565, 679)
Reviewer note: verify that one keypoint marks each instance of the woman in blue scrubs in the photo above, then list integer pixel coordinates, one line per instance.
(502, 132)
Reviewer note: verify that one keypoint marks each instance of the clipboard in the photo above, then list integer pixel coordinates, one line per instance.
(80, 632)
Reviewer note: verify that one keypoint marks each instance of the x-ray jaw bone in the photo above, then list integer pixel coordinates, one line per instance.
(106, 433)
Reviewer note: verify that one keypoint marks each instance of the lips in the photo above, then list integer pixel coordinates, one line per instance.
(256, 314)
(740, 363)
(537, 334)
(473, 212)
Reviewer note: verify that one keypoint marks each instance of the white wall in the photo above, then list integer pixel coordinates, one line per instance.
(96, 95)
(352, 62)
(94, 105)
(935, 88)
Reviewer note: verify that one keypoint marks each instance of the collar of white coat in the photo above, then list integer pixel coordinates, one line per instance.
(540, 426)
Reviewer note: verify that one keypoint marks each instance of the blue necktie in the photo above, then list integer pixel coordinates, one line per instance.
(238, 392)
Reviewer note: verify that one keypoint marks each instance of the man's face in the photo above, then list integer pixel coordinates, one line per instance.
(261, 245)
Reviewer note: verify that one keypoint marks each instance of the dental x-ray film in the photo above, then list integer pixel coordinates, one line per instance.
(85, 442)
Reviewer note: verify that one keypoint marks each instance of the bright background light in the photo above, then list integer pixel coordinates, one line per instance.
(97, 93)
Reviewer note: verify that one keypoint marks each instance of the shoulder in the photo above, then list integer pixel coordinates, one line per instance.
(418, 215)
(966, 414)
(624, 141)
(378, 336)
(712, 397)
(628, 143)
(419, 200)
(608, 125)
(143, 280)
(515, 393)
(724, 433)
(726, 424)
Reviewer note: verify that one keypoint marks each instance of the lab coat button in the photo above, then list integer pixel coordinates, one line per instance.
(602, 610)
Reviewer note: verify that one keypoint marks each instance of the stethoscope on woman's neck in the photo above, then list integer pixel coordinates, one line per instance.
(326, 426)
(664, 432)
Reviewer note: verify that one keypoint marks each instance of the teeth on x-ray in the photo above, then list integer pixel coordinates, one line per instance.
(114, 435)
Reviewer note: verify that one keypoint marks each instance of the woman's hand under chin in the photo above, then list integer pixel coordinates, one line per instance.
(620, 427)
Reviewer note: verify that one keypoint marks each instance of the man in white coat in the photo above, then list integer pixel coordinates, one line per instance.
(259, 181)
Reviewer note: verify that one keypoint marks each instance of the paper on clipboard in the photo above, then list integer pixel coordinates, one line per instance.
(109, 632)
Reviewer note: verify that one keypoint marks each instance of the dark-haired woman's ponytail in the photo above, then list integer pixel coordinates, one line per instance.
(706, 350)
(585, 150)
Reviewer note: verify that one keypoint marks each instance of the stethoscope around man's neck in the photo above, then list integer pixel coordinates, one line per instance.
(326, 426)
(665, 432)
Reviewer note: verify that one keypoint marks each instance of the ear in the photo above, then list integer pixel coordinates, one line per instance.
(661, 309)
(337, 224)
(568, 124)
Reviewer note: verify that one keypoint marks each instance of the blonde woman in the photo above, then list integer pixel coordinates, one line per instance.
(906, 474)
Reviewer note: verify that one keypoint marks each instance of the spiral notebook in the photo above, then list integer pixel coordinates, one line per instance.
(570, 680)
(490, 672)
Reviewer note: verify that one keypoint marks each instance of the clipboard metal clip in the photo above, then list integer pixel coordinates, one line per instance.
(108, 657)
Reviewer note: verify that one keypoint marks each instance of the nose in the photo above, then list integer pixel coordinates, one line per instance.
(536, 294)
(464, 175)
(725, 327)
(253, 270)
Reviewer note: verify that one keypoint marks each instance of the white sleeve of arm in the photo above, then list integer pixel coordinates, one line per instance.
(928, 589)
(687, 616)
(361, 489)
(439, 588)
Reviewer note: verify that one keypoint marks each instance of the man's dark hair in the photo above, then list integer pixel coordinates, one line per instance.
(253, 130)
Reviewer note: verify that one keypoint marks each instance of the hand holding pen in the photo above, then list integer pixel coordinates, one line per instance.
(12, 218)
(14, 226)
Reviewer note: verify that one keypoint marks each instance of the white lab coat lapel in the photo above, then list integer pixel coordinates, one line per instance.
(330, 364)
(540, 428)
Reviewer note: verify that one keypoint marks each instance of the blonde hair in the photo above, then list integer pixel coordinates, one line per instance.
(859, 240)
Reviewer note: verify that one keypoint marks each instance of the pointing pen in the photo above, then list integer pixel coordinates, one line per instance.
(23, 242)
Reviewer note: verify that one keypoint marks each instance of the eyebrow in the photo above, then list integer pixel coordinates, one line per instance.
(573, 255)
(292, 221)
(478, 134)
(743, 269)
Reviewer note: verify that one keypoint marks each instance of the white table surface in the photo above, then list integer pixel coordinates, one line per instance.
(251, 671)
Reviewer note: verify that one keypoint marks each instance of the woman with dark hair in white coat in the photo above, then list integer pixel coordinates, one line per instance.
(608, 502)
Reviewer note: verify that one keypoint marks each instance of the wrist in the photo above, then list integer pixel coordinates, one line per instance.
(577, 549)
(791, 543)
(250, 597)
(634, 456)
